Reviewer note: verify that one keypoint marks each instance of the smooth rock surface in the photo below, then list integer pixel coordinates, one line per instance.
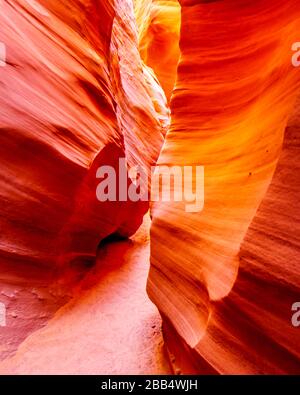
(218, 290)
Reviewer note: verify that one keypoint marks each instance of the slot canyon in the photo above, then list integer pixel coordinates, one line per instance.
(138, 287)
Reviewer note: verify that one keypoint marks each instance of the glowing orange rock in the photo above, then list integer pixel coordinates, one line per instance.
(159, 25)
(235, 89)
(70, 102)
(60, 121)
(85, 84)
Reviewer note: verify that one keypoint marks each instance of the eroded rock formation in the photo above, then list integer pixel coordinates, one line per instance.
(74, 95)
(158, 23)
(227, 288)
(88, 82)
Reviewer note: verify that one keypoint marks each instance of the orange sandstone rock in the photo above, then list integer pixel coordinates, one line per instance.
(225, 290)
(159, 26)
(72, 98)
(86, 83)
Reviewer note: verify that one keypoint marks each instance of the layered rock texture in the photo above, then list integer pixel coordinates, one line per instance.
(109, 327)
(158, 24)
(227, 288)
(75, 95)
(188, 83)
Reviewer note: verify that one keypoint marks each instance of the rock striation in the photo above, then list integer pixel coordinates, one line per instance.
(157, 82)
(75, 95)
(226, 290)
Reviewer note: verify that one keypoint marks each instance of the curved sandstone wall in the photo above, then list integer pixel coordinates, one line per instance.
(69, 104)
(226, 289)
(207, 83)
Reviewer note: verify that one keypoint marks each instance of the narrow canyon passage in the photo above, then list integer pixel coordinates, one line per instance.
(109, 327)
(164, 84)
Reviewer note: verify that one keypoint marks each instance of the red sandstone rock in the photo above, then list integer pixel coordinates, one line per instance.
(159, 25)
(227, 288)
(85, 84)
(110, 326)
(72, 98)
